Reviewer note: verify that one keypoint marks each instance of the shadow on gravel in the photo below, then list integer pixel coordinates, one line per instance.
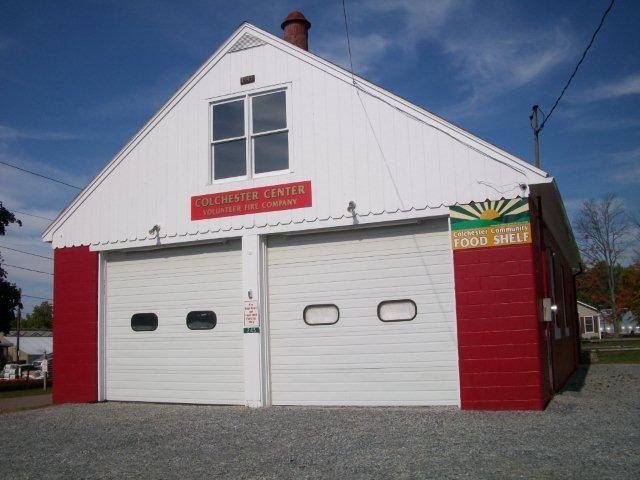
(575, 383)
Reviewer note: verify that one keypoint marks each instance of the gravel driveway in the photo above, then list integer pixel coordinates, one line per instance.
(591, 430)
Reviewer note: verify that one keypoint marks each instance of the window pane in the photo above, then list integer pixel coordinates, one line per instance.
(271, 152)
(588, 324)
(201, 320)
(229, 159)
(144, 322)
(228, 120)
(321, 314)
(269, 112)
(397, 310)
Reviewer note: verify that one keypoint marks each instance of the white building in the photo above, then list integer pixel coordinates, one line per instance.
(282, 232)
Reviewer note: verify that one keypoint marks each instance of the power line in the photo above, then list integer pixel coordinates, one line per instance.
(32, 215)
(364, 109)
(25, 268)
(39, 175)
(26, 253)
(346, 28)
(33, 296)
(575, 70)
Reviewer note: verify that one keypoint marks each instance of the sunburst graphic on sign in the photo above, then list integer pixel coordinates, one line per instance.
(489, 212)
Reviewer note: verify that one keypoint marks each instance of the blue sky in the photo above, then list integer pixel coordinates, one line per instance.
(78, 78)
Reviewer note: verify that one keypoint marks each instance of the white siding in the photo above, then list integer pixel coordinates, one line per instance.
(173, 363)
(361, 360)
(388, 157)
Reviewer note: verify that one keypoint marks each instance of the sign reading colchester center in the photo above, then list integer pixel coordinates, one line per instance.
(490, 224)
(286, 196)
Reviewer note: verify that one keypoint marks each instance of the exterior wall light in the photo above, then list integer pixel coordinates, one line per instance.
(351, 208)
(155, 230)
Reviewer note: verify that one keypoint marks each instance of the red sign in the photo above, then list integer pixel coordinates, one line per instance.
(251, 200)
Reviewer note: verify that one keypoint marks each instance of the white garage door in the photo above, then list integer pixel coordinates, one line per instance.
(175, 362)
(355, 278)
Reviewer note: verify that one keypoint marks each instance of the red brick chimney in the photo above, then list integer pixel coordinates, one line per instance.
(296, 30)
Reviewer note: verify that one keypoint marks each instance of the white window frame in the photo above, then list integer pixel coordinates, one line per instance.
(213, 142)
(592, 319)
(249, 136)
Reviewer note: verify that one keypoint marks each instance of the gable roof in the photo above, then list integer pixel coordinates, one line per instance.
(588, 306)
(248, 35)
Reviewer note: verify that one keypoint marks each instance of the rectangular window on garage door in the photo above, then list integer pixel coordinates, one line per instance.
(201, 320)
(397, 310)
(144, 322)
(325, 314)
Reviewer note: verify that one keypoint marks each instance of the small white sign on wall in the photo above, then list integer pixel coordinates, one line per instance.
(251, 317)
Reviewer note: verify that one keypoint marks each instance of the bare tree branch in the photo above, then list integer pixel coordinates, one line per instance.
(603, 229)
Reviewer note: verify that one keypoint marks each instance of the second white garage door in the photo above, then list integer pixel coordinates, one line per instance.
(352, 281)
(174, 325)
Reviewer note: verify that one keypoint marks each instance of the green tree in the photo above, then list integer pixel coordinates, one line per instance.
(9, 293)
(41, 318)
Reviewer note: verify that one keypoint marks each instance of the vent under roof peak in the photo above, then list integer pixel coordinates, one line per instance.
(246, 41)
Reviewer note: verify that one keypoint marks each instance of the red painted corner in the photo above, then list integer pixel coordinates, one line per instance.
(75, 325)
(498, 329)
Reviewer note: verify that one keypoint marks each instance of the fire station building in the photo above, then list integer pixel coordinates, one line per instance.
(282, 232)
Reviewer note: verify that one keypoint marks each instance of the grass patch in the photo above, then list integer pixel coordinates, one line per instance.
(24, 393)
(619, 357)
(597, 344)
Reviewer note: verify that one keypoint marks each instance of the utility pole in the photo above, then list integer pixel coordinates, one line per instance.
(536, 134)
(18, 334)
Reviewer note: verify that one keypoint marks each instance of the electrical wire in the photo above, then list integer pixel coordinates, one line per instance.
(346, 29)
(25, 268)
(26, 253)
(39, 175)
(32, 215)
(407, 114)
(575, 70)
(33, 296)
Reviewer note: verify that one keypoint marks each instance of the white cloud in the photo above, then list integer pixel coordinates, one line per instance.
(629, 85)
(491, 64)
(423, 19)
(488, 54)
(604, 123)
(625, 167)
(366, 49)
(10, 133)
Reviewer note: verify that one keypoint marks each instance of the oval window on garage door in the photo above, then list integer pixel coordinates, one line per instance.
(144, 322)
(201, 320)
(397, 310)
(325, 314)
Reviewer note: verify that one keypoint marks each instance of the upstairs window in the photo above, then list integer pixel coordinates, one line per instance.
(229, 140)
(250, 136)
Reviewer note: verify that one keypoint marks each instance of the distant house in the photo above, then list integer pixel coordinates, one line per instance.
(33, 344)
(590, 321)
(4, 351)
(629, 324)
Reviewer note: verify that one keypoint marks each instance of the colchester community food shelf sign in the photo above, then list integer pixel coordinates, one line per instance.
(286, 196)
(490, 224)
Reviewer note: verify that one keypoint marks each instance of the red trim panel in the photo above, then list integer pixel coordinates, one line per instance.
(75, 325)
(498, 329)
